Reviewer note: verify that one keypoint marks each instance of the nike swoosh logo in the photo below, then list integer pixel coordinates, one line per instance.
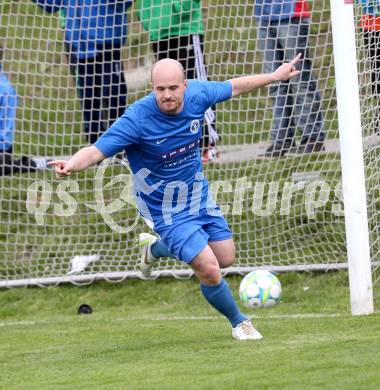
(160, 141)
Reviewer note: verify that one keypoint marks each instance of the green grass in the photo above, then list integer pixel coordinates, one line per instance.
(163, 335)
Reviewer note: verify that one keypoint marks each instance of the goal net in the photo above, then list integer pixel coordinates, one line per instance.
(277, 172)
(367, 17)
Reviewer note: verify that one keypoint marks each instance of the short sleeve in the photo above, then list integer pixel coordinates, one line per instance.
(123, 133)
(217, 92)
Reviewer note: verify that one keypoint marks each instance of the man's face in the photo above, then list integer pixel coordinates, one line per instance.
(169, 88)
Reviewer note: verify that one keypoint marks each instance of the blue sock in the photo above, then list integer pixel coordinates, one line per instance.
(221, 298)
(159, 249)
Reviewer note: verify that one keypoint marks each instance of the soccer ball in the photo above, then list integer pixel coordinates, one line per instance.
(260, 289)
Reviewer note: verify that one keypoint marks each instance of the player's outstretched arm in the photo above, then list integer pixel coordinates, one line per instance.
(81, 160)
(246, 84)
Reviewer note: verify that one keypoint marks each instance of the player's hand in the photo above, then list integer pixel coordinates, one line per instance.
(287, 70)
(62, 168)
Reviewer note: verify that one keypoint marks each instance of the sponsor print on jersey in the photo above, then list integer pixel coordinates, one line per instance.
(181, 154)
(181, 150)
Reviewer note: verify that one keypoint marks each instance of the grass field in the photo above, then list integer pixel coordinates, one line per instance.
(163, 335)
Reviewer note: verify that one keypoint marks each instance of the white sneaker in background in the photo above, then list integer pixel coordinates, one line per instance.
(210, 154)
(246, 331)
(41, 162)
(79, 263)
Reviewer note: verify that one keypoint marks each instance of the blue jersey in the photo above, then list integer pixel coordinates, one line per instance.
(163, 151)
(91, 25)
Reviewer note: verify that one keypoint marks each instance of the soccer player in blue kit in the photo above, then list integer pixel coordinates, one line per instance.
(160, 134)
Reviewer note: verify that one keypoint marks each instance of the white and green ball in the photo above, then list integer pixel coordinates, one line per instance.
(260, 289)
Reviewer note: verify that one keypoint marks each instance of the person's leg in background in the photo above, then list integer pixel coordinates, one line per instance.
(84, 74)
(372, 45)
(92, 98)
(307, 112)
(114, 87)
(376, 68)
(282, 127)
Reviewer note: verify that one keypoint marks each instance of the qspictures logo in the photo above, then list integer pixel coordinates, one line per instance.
(253, 199)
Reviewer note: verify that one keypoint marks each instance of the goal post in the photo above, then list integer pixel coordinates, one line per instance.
(351, 151)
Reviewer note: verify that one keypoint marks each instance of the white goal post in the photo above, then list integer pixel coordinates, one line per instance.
(351, 151)
(297, 209)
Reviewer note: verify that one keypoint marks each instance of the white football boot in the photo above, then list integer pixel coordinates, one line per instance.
(145, 242)
(246, 331)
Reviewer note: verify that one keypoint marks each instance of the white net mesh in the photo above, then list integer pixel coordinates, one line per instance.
(368, 50)
(285, 210)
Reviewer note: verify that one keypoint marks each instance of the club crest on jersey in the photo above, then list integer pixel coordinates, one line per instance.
(194, 127)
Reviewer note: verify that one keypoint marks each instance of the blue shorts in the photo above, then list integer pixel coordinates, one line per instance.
(186, 239)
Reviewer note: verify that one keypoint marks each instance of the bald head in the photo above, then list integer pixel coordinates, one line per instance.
(169, 85)
(167, 68)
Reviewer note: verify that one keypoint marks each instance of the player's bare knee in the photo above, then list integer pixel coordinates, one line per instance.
(209, 273)
(212, 278)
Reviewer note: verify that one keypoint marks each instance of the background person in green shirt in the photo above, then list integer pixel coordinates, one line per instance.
(176, 30)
